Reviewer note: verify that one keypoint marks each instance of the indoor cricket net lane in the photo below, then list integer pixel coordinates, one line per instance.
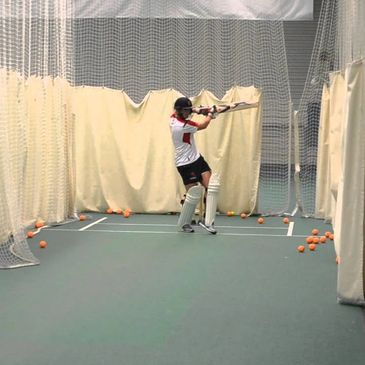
(166, 224)
(108, 286)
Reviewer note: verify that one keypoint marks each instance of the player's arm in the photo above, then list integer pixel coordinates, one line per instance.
(204, 124)
(209, 115)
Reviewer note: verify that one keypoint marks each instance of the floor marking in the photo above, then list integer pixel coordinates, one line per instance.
(290, 229)
(166, 232)
(174, 225)
(140, 224)
(92, 224)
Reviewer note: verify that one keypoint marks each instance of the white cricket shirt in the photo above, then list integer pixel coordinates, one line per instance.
(183, 138)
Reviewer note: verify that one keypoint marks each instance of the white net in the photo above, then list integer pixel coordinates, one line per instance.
(351, 30)
(339, 40)
(46, 51)
(36, 122)
(188, 55)
(202, 9)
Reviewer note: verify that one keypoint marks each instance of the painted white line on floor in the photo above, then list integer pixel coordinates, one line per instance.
(165, 232)
(138, 224)
(290, 229)
(252, 234)
(258, 227)
(174, 225)
(93, 224)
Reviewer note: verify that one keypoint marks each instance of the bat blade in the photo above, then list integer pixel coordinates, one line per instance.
(234, 107)
(241, 105)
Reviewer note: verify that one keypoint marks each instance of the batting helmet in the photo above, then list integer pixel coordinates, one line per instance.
(182, 104)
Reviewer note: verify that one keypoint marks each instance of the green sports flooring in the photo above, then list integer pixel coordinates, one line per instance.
(135, 292)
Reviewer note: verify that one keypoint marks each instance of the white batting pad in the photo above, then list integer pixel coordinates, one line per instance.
(212, 199)
(192, 199)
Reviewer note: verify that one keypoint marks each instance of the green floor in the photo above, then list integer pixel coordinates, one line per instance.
(143, 294)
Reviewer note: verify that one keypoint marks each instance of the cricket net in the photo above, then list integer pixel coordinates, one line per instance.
(36, 131)
(47, 50)
(339, 40)
(137, 55)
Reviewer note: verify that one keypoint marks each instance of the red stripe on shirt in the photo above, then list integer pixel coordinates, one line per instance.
(186, 138)
(181, 120)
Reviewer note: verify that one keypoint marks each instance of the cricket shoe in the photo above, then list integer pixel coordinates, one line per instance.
(187, 228)
(210, 229)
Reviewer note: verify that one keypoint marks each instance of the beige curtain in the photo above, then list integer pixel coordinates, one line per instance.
(40, 123)
(349, 228)
(323, 182)
(329, 162)
(125, 155)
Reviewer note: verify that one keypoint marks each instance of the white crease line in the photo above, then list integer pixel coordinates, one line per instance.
(92, 224)
(247, 227)
(164, 232)
(254, 234)
(139, 224)
(174, 225)
(290, 229)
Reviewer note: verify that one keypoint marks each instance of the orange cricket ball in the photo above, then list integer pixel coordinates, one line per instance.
(42, 244)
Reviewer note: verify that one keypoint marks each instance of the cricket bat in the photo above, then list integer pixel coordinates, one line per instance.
(240, 105)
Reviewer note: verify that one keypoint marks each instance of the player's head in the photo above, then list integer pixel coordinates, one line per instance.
(183, 107)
